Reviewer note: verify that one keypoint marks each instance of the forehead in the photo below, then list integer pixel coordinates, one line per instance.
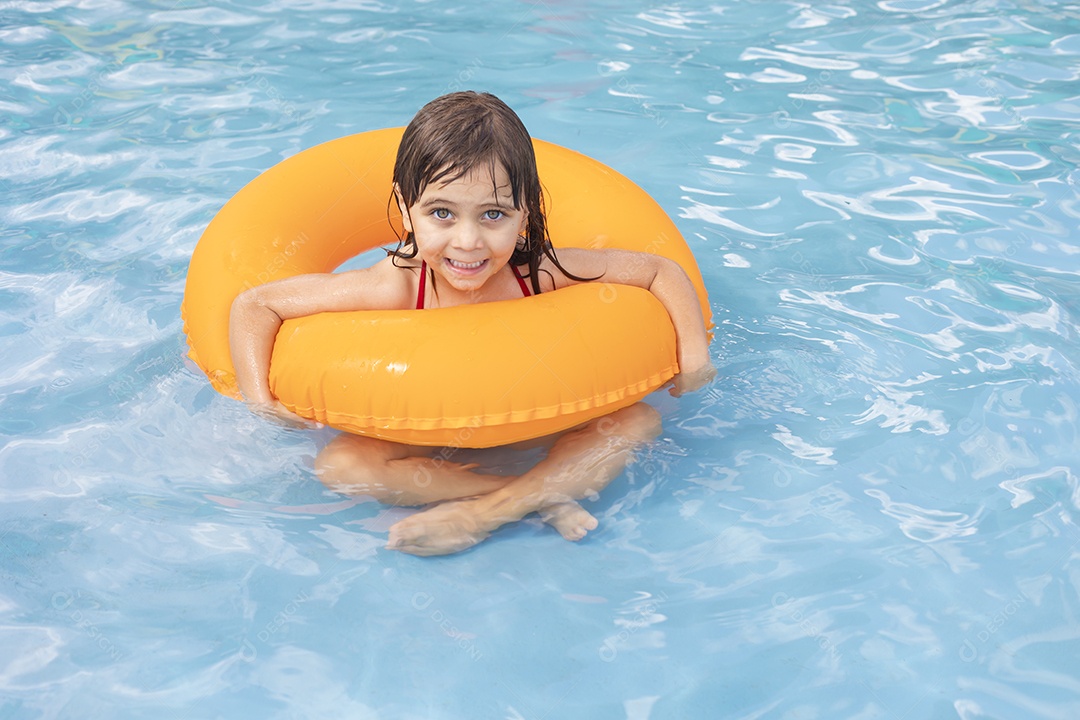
(482, 180)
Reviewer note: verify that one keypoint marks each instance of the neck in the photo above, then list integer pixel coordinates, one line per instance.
(503, 286)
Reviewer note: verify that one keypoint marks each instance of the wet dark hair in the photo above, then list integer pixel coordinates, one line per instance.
(457, 133)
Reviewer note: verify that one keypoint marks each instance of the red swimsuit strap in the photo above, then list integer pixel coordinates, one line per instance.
(421, 289)
(521, 281)
(423, 284)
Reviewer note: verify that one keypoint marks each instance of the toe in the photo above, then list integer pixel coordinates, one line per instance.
(571, 520)
(403, 535)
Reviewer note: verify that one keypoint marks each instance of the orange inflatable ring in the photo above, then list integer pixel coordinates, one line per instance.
(469, 376)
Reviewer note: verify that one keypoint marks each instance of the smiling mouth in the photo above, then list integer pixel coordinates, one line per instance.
(457, 265)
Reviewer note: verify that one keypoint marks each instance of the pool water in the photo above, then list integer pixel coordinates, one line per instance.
(872, 513)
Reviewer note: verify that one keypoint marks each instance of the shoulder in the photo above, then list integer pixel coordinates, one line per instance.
(380, 287)
(384, 285)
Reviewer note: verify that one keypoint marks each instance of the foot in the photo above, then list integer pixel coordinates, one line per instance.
(571, 520)
(449, 527)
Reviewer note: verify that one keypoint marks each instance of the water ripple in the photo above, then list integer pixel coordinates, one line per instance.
(923, 524)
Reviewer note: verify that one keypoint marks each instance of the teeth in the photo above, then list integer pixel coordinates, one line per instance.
(465, 266)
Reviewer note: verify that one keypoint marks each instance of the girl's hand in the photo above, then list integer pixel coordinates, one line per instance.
(278, 414)
(687, 382)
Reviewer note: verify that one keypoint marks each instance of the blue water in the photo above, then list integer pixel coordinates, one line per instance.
(871, 514)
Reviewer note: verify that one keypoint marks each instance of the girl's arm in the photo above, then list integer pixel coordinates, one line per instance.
(666, 280)
(258, 312)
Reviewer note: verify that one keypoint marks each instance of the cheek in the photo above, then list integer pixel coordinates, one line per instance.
(510, 242)
(425, 228)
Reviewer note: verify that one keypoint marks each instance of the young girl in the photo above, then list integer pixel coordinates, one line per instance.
(465, 180)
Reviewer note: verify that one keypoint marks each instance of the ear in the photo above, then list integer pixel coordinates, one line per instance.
(405, 219)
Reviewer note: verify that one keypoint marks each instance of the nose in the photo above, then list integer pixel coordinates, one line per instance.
(467, 236)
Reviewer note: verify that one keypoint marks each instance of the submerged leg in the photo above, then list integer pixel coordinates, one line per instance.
(405, 475)
(398, 474)
(581, 463)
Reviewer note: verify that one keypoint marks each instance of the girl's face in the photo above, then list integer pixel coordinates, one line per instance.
(466, 229)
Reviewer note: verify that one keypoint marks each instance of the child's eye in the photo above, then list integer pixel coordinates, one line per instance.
(493, 214)
(441, 213)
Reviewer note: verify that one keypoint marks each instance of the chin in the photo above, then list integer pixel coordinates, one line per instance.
(468, 286)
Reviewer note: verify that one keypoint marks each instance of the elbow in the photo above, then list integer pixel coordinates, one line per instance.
(662, 269)
(250, 308)
(674, 270)
(242, 305)
(246, 299)
(667, 265)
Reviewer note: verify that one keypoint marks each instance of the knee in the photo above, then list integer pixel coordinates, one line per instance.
(640, 423)
(330, 465)
(341, 467)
